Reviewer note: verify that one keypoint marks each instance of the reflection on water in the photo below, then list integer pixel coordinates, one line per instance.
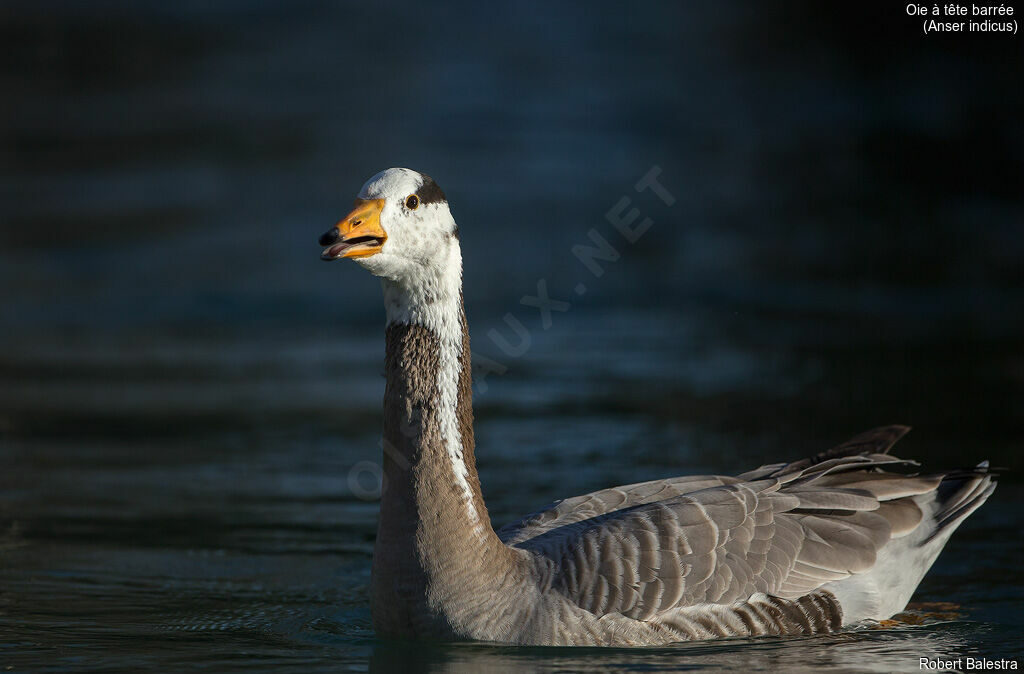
(185, 388)
(860, 651)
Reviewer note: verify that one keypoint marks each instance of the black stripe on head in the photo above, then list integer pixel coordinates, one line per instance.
(429, 192)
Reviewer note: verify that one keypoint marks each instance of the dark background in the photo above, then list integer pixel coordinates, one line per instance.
(185, 389)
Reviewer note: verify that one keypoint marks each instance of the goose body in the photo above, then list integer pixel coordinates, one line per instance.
(788, 548)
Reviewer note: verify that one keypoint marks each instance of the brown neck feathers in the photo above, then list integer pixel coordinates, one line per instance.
(435, 544)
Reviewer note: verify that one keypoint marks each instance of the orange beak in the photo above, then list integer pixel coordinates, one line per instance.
(359, 234)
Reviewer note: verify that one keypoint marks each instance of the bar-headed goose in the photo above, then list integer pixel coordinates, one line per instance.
(795, 548)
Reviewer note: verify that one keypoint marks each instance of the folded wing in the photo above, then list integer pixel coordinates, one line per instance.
(783, 530)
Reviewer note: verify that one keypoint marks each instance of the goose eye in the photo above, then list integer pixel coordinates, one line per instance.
(412, 202)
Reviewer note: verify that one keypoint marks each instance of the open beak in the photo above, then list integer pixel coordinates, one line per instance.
(359, 234)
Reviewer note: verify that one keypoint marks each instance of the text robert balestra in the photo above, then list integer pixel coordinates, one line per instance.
(965, 664)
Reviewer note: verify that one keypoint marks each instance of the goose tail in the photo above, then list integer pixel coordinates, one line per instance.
(886, 589)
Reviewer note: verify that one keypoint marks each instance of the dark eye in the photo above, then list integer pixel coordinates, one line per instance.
(412, 202)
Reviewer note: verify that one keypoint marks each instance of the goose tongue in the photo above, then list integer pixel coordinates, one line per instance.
(337, 250)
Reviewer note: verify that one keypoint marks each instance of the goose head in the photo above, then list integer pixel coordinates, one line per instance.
(400, 228)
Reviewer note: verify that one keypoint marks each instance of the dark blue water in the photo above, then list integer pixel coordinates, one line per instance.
(190, 400)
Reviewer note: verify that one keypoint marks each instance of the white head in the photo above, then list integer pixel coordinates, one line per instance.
(401, 230)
